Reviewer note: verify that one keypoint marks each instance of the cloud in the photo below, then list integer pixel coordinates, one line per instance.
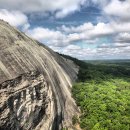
(40, 33)
(114, 8)
(100, 3)
(118, 9)
(109, 38)
(89, 30)
(80, 28)
(114, 45)
(64, 12)
(123, 38)
(117, 49)
(73, 47)
(15, 18)
(60, 8)
(98, 53)
(78, 52)
(119, 44)
(48, 36)
(86, 33)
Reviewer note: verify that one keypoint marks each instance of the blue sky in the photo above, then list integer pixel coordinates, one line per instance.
(86, 29)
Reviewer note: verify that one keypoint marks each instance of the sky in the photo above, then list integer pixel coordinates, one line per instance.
(85, 29)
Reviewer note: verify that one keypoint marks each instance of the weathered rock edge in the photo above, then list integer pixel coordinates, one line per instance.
(35, 84)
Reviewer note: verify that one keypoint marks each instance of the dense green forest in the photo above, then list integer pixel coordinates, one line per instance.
(103, 94)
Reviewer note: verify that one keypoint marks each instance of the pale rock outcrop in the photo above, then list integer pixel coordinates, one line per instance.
(35, 84)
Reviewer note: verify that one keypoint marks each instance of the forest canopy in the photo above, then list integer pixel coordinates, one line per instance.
(102, 92)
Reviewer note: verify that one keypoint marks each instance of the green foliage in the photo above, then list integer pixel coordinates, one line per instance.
(101, 70)
(104, 105)
(103, 94)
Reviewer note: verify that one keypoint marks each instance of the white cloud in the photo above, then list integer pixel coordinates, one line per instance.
(86, 32)
(89, 53)
(120, 26)
(89, 31)
(101, 29)
(63, 39)
(80, 28)
(40, 33)
(120, 44)
(73, 47)
(51, 37)
(75, 37)
(116, 52)
(15, 18)
(66, 11)
(119, 9)
(123, 37)
(61, 7)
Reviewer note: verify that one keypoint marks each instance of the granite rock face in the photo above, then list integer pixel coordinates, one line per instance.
(35, 84)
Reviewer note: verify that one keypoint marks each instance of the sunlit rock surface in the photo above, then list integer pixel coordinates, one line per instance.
(35, 84)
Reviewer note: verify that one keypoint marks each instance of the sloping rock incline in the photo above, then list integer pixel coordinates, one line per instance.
(35, 84)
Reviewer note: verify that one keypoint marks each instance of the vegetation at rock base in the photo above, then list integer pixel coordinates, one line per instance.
(75, 120)
(105, 105)
(103, 94)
